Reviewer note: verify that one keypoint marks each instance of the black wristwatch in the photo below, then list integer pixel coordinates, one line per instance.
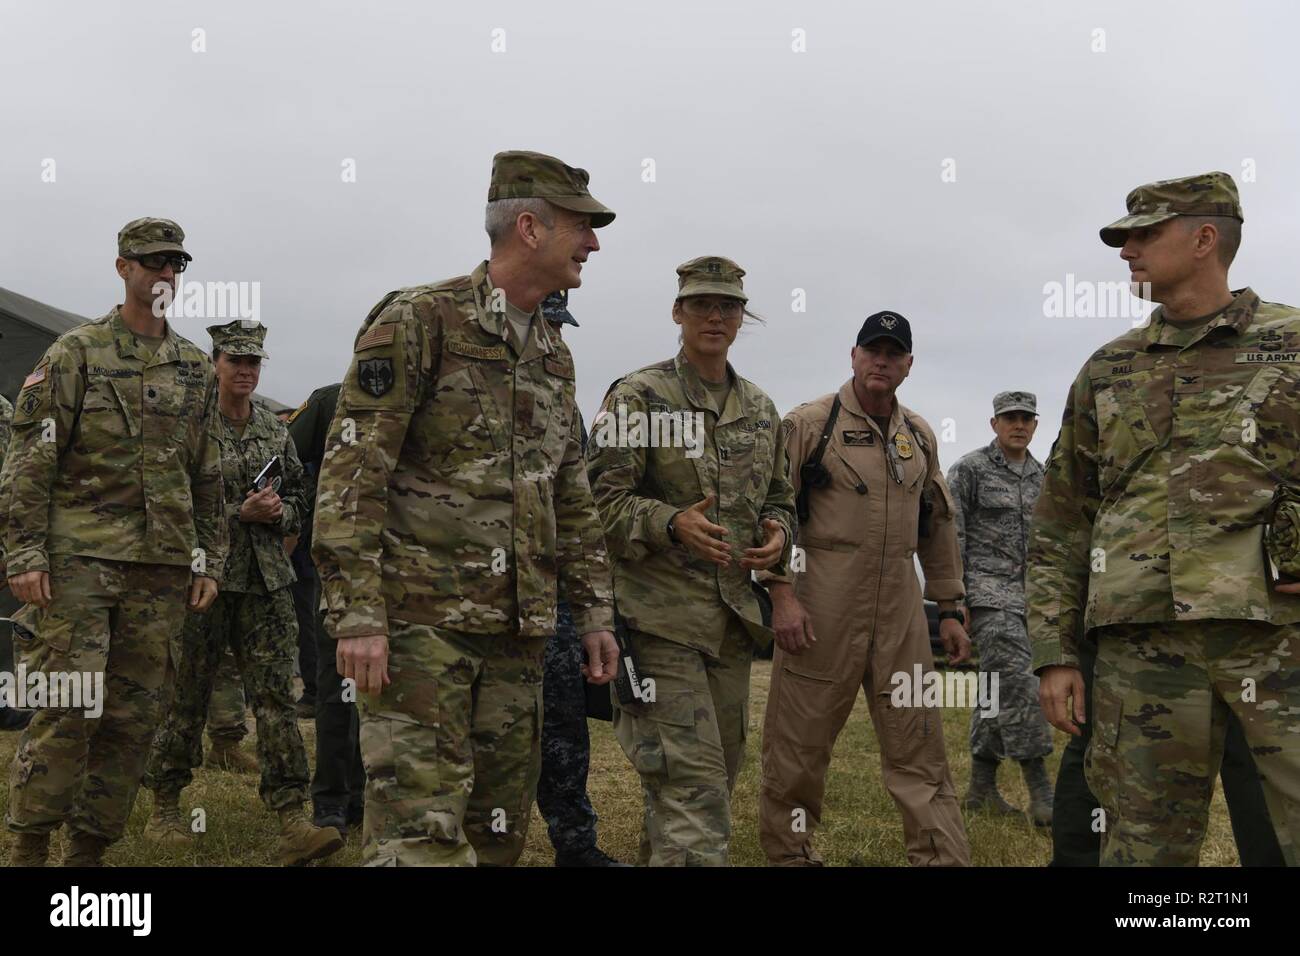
(672, 533)
(951, 616)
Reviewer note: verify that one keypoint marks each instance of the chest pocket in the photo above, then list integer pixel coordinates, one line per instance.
(1242, 423)
(105, 412)
(1124, 432)
(996, 496)
(174, 404)
(461, 422)
(682, 463)
(744, 463)
(544, 403)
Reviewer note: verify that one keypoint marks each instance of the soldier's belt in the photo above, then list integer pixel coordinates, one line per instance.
(1282, 531)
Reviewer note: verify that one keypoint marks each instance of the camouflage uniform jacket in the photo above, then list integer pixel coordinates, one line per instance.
(461, 500)
(129, 472)
(256, 562)
(6, 416)
(994, 506)
(1168, 456)
(659, 586)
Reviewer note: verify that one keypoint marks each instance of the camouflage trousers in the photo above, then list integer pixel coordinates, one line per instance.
(1018, 731)
(688, 745)
(566, 744)
(227, 712)
(112, 618)
(262, 632)
(452, 748)
(1161, 698)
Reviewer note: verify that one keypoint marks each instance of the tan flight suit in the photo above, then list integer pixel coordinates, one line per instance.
(860, 588)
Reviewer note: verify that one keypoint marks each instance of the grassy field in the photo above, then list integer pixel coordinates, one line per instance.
(861, 825)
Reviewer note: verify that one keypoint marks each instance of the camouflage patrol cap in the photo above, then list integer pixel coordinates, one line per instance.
(140, 237)
(240, 337)
(1206, 194)
(1004, 402)
(523, 174)
(555, 308)
(710, 275)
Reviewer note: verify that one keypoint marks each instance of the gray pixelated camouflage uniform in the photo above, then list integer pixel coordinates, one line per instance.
(994, 507)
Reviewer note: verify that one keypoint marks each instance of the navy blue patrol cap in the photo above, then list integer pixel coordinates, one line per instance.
(556, 308)
(888, 325)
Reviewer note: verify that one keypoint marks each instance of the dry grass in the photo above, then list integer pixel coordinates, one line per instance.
(861, 825)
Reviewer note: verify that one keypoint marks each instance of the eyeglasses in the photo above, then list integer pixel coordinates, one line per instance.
(729, 309)
(157, 261)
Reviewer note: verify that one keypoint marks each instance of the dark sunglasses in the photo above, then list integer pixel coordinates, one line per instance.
(157, 261)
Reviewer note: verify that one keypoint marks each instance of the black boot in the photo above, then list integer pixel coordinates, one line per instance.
(592, 856)
(983, 793)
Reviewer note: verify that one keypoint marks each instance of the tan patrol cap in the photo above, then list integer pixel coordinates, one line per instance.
(710, 275)
(522, 174)
(1206, 194)
(142, 237)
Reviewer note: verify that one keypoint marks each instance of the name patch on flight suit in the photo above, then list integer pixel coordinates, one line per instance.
(856, 437)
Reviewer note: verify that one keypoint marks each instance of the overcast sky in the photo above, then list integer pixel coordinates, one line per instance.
(944, 160)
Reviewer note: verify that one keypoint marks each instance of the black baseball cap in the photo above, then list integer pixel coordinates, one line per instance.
(887, 325)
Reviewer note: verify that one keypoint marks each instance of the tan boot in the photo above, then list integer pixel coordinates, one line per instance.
(84, 849)
(30, 849)
(166, 827)
(302, 841)
(225, 754)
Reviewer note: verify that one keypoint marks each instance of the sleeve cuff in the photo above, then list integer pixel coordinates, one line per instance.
(944, 589)
(658, 519)
(28, 559)
(598, 618)
(1053, 653)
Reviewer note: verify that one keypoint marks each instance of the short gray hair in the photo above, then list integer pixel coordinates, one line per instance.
(502, 214)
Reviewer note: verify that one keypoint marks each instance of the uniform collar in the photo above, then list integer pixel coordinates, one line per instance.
(998, 457)
(698, 396)
(1237, 316)
(127, 346)
(495, 324)
(849, 401)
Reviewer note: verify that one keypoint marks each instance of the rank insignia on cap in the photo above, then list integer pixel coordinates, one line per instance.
(169, 233)
(903, 445)
(714, 267)
(375, 376)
